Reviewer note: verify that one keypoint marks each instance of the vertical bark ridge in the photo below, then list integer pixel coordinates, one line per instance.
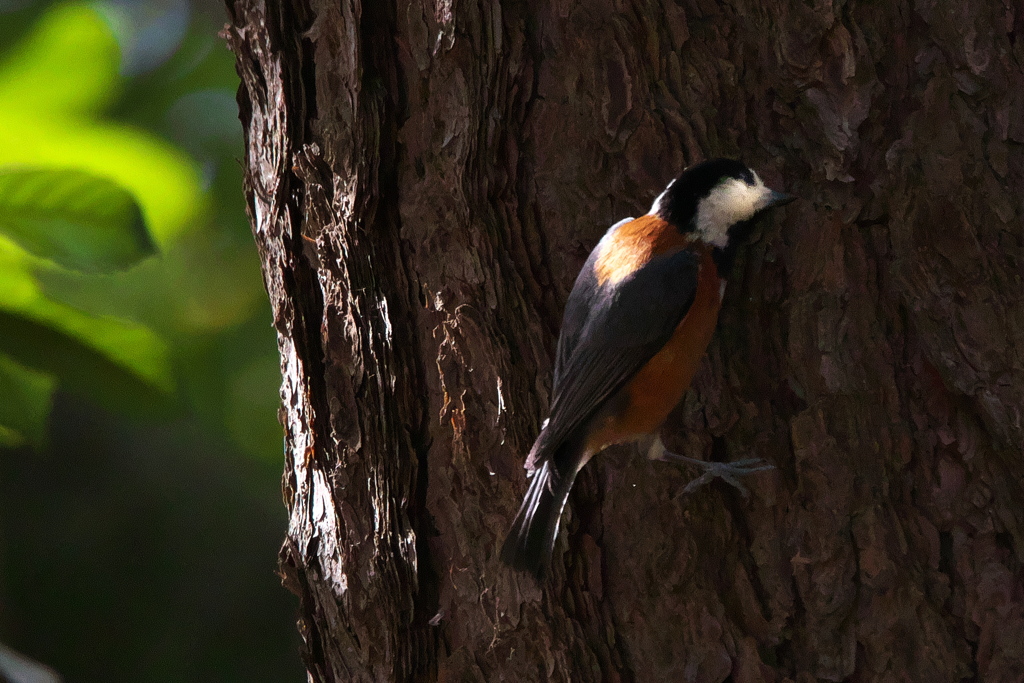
(326, 233)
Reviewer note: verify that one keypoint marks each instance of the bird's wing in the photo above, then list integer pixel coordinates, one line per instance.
(578, 307)
(625, 324)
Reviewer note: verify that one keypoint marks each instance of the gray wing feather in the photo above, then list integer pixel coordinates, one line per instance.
(578, 306)
(623, 327)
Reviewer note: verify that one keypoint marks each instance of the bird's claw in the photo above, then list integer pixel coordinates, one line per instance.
(726, 471)
(746, 462)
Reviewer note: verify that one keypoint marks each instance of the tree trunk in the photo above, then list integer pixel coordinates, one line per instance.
(425, 181)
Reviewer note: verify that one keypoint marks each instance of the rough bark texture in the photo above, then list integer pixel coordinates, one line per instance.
(425, 181)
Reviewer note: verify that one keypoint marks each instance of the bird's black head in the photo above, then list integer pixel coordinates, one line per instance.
(716, 199)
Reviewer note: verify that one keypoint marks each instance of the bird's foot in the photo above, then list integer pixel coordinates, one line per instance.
(726, 471)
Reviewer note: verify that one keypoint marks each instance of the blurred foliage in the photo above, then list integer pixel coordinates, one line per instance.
(139, 529)
(78, 220)
(115, 116)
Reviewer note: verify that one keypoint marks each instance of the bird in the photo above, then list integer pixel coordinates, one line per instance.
(636, 324)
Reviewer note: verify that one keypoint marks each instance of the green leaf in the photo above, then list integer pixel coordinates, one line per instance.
(25, 399)
(121, 364)
(108, 375)
(73, 218)
(74, 52)
(54, 87)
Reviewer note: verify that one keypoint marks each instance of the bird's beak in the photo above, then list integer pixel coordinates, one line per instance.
(778, 199)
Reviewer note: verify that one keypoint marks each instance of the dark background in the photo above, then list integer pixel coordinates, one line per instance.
(138, 539)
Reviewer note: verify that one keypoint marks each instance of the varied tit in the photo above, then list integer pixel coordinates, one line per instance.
(637, 322)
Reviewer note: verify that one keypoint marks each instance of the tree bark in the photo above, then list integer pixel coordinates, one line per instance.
(425, 179)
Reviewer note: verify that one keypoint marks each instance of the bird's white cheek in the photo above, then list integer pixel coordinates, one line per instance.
(731, 202)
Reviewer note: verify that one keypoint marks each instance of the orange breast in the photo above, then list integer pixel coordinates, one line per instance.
(660, 384)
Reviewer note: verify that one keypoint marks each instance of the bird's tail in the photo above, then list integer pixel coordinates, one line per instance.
(531, 540)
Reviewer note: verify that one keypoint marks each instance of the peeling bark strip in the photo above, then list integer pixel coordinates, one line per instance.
(425, 179)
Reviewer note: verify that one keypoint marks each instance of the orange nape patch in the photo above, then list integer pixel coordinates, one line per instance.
(632, 245)
(648, 398)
